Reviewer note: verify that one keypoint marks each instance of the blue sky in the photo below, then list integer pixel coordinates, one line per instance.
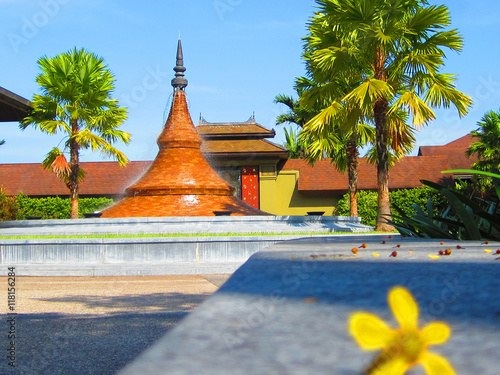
(239, 55)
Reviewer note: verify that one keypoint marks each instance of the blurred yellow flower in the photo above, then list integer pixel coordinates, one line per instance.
(404, 347)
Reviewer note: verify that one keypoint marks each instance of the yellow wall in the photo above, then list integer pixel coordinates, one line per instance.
(279, 195)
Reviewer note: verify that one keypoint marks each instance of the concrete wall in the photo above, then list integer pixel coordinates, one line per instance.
(130, 256)
(150, 255)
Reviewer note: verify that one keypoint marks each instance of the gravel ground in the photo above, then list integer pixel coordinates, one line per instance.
(82, 325)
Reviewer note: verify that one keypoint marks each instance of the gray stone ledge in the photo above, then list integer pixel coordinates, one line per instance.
(262, 322)
(188, 225)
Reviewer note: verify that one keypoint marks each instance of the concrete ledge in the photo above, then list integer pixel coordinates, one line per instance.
(286, 310)
(187, 225)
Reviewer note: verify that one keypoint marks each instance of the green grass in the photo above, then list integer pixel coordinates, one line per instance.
(111, 235)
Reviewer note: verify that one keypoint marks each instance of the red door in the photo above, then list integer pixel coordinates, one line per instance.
(250, 186)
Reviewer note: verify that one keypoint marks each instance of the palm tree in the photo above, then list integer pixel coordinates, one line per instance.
(297, 115)
(340, 141)
(390, 53)
(295, 146)
(76, 88)
(487, 147)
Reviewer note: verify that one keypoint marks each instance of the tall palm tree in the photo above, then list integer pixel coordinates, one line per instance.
(391, 53)
(76, 100)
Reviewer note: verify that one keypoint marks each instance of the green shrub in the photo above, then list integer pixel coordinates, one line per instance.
(8, 206)
(57, 207)
(403, 198)
(367, 206)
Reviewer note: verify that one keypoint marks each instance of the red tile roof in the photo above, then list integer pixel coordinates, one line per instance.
(407, 173)
(108, 178)
(102, 178)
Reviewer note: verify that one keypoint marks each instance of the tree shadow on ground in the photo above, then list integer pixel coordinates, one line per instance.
(67, 344)
(82, 344)
(137, 303)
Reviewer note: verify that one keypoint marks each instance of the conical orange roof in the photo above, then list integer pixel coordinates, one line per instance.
(180, 182)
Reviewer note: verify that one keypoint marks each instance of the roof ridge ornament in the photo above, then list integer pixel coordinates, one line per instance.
(179, 82)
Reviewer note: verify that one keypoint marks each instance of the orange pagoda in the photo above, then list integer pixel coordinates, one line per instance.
(180, 182)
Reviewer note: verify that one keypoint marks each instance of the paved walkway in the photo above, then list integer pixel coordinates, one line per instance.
(83, 325)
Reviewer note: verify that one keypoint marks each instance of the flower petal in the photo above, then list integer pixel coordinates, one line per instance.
(435, 364)
(370, 331)
(435, 333)
(404, 307)
(395, 366)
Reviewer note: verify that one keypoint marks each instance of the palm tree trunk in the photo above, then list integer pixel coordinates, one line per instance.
(352, 171)
(75, 168)
(381, 139)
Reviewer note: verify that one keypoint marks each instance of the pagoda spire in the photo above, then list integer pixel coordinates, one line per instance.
(180, 181)
(179, 82)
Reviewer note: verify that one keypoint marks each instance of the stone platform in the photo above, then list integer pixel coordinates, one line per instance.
(286, 310)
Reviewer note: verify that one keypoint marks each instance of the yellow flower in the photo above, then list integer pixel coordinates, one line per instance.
(404, 347)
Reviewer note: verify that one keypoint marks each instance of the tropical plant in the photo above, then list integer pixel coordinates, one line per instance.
(294, 144)
(76, 100)
(465, 218)
(296, 114)
(388, 54)
(487, 149)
